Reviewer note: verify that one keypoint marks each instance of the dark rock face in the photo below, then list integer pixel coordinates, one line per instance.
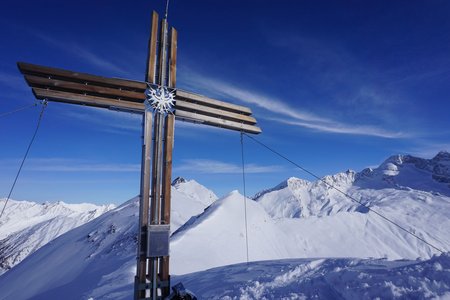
(397, 171)
(178, 180)
(439, 166)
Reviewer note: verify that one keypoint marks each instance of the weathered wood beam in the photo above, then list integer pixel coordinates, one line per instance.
(86, 89)
(141, 270)
(213, 112)
(53, 78)
(166, 190)
(88, 100)
(95, 101)
(80, 88)
(151, 59)
(173, 58)
(202, 100)
(207, 120)
(125, 84)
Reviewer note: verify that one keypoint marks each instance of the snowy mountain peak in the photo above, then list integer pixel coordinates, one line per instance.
(338, 180)
(178, 181)
(407, 171)
(27, 226)
(199, 240)
(295, 183)
(291, 182)
(298, 198)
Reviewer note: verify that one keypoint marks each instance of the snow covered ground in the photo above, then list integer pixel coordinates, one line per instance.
(324, 279)
(334, 236)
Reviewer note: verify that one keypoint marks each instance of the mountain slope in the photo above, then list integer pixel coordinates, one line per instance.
(97, 260)
(96, 256)
(217, 236)
(330, 233)
(311, 219)
(27, 226)
(407, 171)
(196, 199)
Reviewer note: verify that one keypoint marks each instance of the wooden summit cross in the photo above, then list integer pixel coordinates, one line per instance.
(157, 99)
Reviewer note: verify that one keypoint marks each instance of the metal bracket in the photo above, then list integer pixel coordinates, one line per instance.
(160, 98)
(158, 240)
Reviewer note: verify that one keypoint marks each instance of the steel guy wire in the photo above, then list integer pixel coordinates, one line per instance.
(44, 105)
(245, 194)
(17, 110)
(344, 193)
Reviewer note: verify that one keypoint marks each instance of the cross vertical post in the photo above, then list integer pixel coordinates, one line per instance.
(167, 159)
(163, 127)
(152, 280)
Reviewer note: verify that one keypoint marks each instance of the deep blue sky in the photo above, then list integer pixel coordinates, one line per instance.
(335, 85)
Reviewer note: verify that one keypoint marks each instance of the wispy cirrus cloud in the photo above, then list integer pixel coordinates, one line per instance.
(82, 53)
(280, 111)
(106, 120)
(68, 165)
(206, 166)
(12, 81)
(429, 149)
(344, 128)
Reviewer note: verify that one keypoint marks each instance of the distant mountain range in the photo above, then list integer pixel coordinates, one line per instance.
(295, 219)
(27, 226)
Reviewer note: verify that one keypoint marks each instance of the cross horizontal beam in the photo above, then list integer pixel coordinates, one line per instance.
(85, 89)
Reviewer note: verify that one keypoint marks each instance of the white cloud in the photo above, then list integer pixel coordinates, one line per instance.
(207, 166)
(68, 165)
(429, 149)
(83, 53)
(106, 120)
(291, 116)
(13, 81)
(344, 128)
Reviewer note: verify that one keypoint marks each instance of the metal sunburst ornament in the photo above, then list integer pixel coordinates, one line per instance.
(160, 99)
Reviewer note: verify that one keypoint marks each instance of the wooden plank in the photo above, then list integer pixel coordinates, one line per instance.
(94, 84)
(87, 100)
(167, 167)
(207, 120)
(67, 86)
(173, 58)
(151, 59)
(166, 190)
(214, 112)
(202, 100)
(31, 69)
(94, 101)
(144, 203)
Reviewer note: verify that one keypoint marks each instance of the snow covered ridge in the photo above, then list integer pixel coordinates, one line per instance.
(98, 259)
(431, 175)
(337, 228)
(300, 198)
(27, 226)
